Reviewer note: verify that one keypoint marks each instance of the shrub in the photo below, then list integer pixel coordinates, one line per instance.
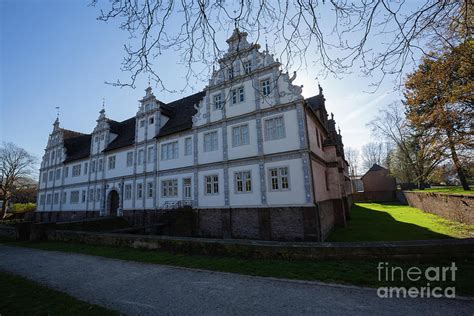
(23, 207)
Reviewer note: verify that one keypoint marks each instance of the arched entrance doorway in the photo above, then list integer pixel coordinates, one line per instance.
(113, 203)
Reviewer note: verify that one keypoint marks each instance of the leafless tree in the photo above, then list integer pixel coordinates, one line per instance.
(374, 153)
(352, 156)
(380, 37)
(416, 152)
(16, 165)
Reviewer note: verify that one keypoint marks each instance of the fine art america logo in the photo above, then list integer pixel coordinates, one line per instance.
(430, 281)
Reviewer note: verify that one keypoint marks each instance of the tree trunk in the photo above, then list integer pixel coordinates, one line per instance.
(4, 208)
(457, 163)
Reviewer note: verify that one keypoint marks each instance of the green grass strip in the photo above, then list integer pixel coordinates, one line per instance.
(20, 296)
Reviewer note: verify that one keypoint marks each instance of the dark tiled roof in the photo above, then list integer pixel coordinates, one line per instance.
(180, 113)
(77, 147)
(376, 167)
(125, 131)
(316, 102)
(181, 117)
(69, 134)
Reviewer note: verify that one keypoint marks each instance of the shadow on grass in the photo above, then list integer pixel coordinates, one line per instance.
(372, 224)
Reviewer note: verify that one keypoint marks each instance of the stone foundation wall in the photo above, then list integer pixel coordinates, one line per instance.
(54, 217)
(312, 223)
(455, 207)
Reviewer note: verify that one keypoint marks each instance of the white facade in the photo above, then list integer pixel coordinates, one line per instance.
(242, 142)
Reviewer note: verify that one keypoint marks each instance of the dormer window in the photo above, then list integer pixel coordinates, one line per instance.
(248, 67)
(230, 73)
(265, 87)
(151, 120)
(148, 107)
(142, 123)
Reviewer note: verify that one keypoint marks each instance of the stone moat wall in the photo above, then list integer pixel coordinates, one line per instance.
(455, 207)
(311, 223)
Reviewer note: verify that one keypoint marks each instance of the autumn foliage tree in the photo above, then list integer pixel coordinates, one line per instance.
(439, 97)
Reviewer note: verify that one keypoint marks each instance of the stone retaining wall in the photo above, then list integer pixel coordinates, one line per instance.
(455, 207)
(310, 223)
(413, 250)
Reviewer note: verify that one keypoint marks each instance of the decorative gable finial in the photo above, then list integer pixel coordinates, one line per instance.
(56, 121)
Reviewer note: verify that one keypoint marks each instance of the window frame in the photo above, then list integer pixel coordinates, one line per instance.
(265, 87)
(210, 146)
(279, 178)
(169, 188)
(242, 141)
(213, 184)
(244, 181)
(267, 121)
(169, 151)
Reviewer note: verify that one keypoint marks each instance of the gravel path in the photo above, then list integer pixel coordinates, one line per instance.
(145, 289)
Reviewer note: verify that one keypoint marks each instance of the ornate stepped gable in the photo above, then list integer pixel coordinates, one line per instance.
(191, 111)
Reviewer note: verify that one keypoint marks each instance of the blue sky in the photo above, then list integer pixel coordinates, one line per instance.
(56, 53)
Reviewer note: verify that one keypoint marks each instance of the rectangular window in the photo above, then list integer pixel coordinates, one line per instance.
(51, 175)
(211, 184)
(48, 198)
(74, 197)
(42, 199)
(58, 174)
(187, 188)
(66, 172)
(151, 120)
(111, 162)
(238, 95)
(129, 158)
(139, 190)
(98, 196)
(128, 192)
(101, 164)
(150, 189)
(210, 141)
(218, 102)
(188, 146)
(91, 194)
(248, 67)
(279, 179)
(150, 156)
(243, 182)
(64, 198)
(142, 123)
(56, 198)
(169, 188)
(45, 176)
(83, 196)
(265, 87)
(86, 165)
(140, 156)
(274, 128)
(317, 138)
(230, 72)
(240, 135)
(93, 165)
(76, 170)
(169, 151)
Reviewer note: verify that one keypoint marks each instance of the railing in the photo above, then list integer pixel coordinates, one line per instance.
(176, 204)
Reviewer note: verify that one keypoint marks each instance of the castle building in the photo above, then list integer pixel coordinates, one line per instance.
(249, 140)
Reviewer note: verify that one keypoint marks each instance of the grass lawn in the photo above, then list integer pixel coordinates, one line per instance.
(347, 272)
(448, 190)
(388, 222)
(20, 296)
